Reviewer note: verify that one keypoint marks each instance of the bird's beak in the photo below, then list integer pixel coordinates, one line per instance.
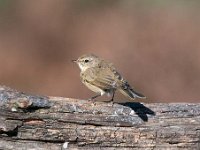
(74, 61)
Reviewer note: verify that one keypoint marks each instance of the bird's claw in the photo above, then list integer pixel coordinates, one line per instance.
(92, 100)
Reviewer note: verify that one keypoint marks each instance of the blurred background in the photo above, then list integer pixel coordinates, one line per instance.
(154, 44)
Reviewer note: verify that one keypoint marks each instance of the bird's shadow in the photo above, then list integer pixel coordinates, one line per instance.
(141, 110)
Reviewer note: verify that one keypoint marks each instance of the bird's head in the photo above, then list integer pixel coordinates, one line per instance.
(87, 61)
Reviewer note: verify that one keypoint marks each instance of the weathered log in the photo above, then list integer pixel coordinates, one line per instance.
(41, 122)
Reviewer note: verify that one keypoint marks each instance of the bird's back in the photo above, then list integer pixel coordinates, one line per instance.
(104, 77)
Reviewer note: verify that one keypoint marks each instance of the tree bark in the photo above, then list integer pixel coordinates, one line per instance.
(42, 122)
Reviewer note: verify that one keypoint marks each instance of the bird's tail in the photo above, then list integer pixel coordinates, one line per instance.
(126, 90)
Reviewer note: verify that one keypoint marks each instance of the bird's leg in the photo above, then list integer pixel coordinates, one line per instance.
(111, 100)
(93, 97)
(113, 95)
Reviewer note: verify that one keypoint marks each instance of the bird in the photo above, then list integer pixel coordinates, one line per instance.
(101, 77)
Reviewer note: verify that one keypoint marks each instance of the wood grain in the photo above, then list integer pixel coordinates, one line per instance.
(42, 122)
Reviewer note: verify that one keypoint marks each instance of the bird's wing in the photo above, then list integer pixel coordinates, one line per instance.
(104, 77)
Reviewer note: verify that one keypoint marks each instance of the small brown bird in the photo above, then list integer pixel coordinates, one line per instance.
(101, 77)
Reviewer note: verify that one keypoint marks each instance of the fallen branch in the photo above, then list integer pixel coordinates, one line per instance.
(39, 122)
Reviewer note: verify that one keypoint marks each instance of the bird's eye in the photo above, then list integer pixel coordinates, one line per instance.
(86, 60)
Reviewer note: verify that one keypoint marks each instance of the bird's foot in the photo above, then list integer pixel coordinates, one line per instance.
(110, 102)
(92, 101)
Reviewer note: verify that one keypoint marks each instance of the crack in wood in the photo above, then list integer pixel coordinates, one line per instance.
(52, 121)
